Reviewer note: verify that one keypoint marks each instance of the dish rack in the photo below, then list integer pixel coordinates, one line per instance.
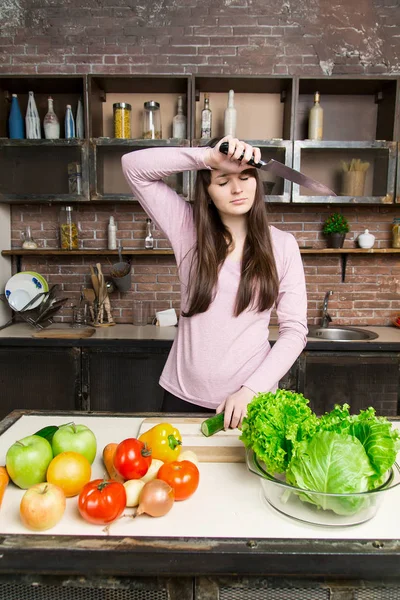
(41, 316)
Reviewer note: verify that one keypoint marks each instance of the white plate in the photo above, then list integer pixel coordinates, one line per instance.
(23, 287)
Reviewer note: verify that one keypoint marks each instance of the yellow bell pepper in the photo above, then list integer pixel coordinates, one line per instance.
(164, 440)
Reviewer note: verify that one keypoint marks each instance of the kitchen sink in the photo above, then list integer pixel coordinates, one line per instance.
(342, 334)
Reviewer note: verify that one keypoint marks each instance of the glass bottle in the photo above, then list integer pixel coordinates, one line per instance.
(396, 233)
(149, 240)
(80, 127)
(179, 122)
(69, 123)
(68, 229)
(15, 121)
(316, 120)
(230, 115)
(206, 118)
(51, 124)
(28, 241)
(152, 121)
(122, 120)
(32, 120)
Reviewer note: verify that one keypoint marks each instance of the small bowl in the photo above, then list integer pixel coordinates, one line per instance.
(395, 323)
(297, 503)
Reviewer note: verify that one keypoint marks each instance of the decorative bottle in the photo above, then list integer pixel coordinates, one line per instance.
(69, 123)
(206, 118)
(28, 241)
(230, 115)
(51, 124)
(32, 120)
(179, 122)
(80, 126)
(149, 240)
(112, 234)
(15, 121)
(316, 120)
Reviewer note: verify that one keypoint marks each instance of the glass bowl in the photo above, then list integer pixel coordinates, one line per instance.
(334, 510)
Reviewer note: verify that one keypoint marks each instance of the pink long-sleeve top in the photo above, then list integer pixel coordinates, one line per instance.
(215, 353)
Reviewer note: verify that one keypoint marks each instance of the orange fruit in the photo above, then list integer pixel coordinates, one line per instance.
(70, 471)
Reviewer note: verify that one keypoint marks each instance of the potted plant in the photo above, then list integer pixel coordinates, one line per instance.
(335, 228)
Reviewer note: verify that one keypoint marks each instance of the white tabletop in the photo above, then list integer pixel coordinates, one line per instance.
(227, 504)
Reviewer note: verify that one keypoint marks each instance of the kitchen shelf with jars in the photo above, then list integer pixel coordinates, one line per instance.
(344, 136)
(130, 113)
(256, 109)
(44, 152)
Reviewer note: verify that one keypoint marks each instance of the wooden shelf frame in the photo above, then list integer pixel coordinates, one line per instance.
(391, 148)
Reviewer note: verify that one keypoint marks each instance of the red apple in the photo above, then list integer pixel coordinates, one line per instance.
(42, 506)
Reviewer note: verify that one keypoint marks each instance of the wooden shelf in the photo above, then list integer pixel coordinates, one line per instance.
(349, 250)
(102, 252)
(42, 142)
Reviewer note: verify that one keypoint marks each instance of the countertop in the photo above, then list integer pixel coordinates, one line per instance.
(234, 529)
(20, 334)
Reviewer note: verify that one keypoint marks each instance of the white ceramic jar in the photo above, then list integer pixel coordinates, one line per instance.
(366, 239)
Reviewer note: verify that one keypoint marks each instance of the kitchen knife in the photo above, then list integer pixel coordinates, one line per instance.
(287, 173)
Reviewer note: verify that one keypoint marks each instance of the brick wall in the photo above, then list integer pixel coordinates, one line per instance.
(370, 295)
(210, 37)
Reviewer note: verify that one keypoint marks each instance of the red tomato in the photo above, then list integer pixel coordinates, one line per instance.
(183, 476)
(101, 501)
(132, 459)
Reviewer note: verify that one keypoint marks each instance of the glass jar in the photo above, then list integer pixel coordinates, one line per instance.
(152, 121)
(122, 119)
(68, 229)
(396, 233)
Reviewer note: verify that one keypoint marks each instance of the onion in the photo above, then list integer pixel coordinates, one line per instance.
(133, 488)
(156, 499)
(190, 456)
(155, 466)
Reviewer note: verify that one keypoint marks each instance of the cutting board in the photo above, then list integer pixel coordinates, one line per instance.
(223, 446)
(70, 333)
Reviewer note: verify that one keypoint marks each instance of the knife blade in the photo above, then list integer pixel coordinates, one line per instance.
(286, 173)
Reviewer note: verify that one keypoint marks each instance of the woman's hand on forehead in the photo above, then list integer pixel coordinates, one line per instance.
(239, 153)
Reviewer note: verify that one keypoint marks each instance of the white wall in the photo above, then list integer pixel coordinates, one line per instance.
(5, 263)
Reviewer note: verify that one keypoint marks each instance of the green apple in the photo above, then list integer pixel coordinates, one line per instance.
(75, 438)
(27, 461)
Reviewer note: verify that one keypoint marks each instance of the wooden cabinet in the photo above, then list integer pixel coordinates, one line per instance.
(46, 378)
(361, 379)
(361, 120)
(123, 380)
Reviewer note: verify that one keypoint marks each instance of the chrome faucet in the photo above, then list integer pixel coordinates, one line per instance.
(326, 318)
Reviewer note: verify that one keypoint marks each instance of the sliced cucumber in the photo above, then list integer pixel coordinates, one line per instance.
(47, 432)
(212, 425)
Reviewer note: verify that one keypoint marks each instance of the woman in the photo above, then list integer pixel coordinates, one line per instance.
(233, 268)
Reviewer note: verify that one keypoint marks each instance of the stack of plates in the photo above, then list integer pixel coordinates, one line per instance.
(23, 287)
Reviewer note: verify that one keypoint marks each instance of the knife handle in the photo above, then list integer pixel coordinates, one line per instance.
(224, 147)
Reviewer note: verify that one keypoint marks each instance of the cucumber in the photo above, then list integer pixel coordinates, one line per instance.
(212, 425)
(47, 432)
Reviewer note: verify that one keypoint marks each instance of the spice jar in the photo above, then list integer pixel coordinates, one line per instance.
(152, 121)
(68, 229)
(122, 120)
(396, 233)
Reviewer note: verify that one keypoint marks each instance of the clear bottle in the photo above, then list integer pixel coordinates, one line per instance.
(68, 229)
(149, 240)
(15, 120)
(179, 122)
(152, 121)
(28, 241)
(316, 120)
(230, 115)
(396, 233)
(122, 120)
(32, 120)
(51, 124)
(112, 234)
(80, 127)
(69, 123)
(206, 118)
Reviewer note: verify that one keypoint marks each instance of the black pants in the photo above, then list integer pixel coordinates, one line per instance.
(172, 403)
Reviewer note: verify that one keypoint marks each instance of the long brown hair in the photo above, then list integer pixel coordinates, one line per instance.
(259, 284)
